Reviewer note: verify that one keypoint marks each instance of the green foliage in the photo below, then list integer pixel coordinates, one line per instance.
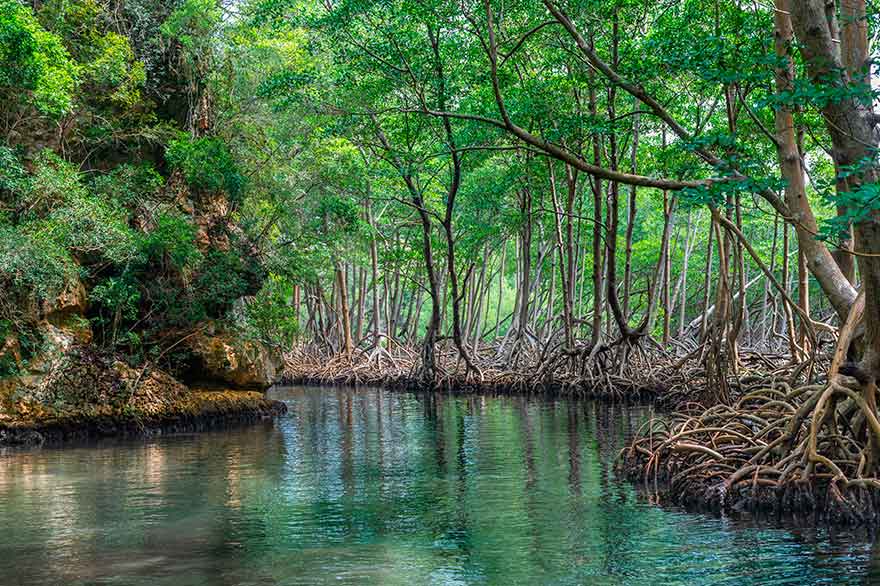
(13, 177)
(855, 204)
(192, 22)
(109, 100)
(173, 238)
(119, 295)
(309, 121)
(90, 226)
(223, 277)
(52, 183)
(64, 212)
(269, 317)
(207, 164)
(34, 60)
(113, 71)
(129, 184)
(217, 282)
(92, 206)
(336, 214)
(34, 264)
(828, 90)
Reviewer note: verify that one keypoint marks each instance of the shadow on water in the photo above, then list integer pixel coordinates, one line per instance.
(374, 487)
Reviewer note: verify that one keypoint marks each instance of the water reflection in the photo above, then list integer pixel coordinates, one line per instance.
(371, 487)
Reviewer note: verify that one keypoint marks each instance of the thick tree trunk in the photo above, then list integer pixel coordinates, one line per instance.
(854, 50)
(850, 123)
(811, 22)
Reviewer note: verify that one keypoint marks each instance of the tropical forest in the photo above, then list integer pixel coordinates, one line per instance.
(448, 292)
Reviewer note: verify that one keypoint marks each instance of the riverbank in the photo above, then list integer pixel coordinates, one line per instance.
(193, 410)
(87, 394)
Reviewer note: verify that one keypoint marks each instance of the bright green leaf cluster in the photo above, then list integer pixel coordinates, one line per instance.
(34, 60)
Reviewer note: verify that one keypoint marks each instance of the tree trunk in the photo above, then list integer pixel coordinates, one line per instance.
(374, 274)
(811, 22)
(707, 283)
(667, 269)
(631, 215)
(564, 250)
(344, 315)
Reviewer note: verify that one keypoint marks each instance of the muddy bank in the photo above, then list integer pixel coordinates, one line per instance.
(86, 394)
(197, 410)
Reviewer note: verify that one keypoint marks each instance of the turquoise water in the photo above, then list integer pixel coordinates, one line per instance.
(373, 487)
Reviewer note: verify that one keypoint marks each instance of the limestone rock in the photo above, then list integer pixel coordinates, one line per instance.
(223, 358)
(60, 323)
(73, 300)
(63, 318)
(85, 378)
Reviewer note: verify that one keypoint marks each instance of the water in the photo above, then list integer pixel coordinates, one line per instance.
(371, 487)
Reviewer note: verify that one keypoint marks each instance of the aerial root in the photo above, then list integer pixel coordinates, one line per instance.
(809, 448)
(603, 371)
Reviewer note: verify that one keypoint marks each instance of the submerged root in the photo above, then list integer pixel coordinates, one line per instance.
(778, 448)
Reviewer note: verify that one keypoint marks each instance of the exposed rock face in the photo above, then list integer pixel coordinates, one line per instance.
(222, 358)
(67, 373)
(83, 378)
(60, 324)
(88, 394)
(66, 387)
(73, 300)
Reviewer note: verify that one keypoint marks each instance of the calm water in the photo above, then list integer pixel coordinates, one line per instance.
(371, 487)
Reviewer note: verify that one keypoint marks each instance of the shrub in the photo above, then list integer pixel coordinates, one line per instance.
(207, 164)
(172, 239)
(129, 185)
(90, 226)
(268, 316)
(33, 264)
(34, 60)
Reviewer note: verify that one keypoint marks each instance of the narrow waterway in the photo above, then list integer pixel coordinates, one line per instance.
(374, 487)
